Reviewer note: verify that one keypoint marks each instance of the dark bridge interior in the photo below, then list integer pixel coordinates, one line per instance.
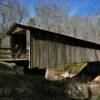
(89, 73)
(19, 39)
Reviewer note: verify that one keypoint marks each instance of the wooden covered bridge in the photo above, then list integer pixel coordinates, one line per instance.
(44, 49)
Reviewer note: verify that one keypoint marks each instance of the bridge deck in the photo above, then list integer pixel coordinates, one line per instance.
(13, 60)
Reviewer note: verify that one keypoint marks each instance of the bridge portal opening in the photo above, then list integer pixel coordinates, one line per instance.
(19, 38)
(18, 44)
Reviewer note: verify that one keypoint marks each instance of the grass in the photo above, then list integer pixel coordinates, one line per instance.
(16, 87)
(13, 85)
(71, 68)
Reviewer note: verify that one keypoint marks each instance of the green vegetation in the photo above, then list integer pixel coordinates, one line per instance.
(16, 87)
(37, 87)
(98, 97)
(71, 68)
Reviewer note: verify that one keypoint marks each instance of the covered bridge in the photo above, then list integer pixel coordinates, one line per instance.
(48, 49)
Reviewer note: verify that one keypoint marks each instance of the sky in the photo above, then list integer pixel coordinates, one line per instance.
(84, 7)
(77, 7)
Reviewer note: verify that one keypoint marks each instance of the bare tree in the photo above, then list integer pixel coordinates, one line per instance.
(50, 16)
(55, 18)
(11, 11)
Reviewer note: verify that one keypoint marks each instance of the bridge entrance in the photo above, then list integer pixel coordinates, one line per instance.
(17, 51)
(18, 40)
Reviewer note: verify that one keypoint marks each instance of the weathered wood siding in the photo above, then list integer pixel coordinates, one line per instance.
(48, 50)
(5, 43)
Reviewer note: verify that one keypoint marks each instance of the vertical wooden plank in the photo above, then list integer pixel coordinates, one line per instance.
(51, 60)
(83, 54)
(47, 52)
(41, 53)
(97, 56)
(67, 54)
(37, 50)
(59, 54)
(69, 51)
(28, 44)
(35, 54)
(53, 51)
(63, 54)
(88, 54)
(80, 54)
(57, 51)
(64, 47)
(77, 55)
(44, 60)
(50, 53)
(74, 49)
(72, 54)
(93, 55)
(52, 56)
(39, 42)
(43, 47)
(55, 54)
(33, 51)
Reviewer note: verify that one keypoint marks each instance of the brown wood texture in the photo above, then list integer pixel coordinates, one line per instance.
(48, 49)
(48, 52)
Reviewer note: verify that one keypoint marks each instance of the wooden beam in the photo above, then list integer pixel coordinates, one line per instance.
(28, 45)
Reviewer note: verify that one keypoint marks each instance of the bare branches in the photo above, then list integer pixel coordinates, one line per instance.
(50, 16)
(5, 5)
(11, 11)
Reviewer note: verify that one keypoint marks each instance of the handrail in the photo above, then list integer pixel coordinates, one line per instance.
(13, 49)
(14, 53)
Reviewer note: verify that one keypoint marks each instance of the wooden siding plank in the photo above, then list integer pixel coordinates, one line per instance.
(32, 52)
(97, 54)
(47, 43)
(28, 46)
(51, 52)
(59, 54)
(67, 54)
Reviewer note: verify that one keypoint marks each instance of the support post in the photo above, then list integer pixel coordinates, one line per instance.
(28, 46)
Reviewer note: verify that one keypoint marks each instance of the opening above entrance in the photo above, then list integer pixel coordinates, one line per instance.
(19, 40)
